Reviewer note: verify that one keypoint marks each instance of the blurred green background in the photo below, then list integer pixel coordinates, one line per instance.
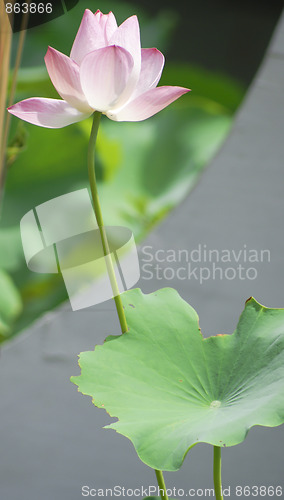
(144, 169)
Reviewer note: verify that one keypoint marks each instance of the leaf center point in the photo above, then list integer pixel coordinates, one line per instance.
(215, 404)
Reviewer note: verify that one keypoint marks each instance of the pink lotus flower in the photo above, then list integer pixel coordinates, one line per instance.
(107, 71)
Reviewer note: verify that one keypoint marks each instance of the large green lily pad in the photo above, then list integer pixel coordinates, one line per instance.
(172, 389)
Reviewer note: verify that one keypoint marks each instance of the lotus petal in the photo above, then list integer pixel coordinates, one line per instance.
(90, 37)
(147, 104)
(49, 113)
(104, 75)
(65, 76)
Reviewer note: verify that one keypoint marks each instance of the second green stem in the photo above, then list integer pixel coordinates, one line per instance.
(161, 484)
(217, 473)
(99, 217)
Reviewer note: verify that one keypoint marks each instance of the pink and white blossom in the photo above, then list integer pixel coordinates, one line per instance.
(107, 71)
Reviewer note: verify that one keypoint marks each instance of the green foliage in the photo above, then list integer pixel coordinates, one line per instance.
(154, 498)
(144, 169)
(216, 92)
(11, 255)
(171, 389)
(10, 304)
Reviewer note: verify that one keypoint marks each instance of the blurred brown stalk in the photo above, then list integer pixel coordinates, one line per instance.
(5, 52)
(5, 55)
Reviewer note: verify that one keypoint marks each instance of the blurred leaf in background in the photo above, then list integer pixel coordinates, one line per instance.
(10, 305)
(144, 169)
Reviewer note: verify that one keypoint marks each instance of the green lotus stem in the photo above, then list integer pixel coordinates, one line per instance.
(161, 484)
(217, 473)
(98, 212)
